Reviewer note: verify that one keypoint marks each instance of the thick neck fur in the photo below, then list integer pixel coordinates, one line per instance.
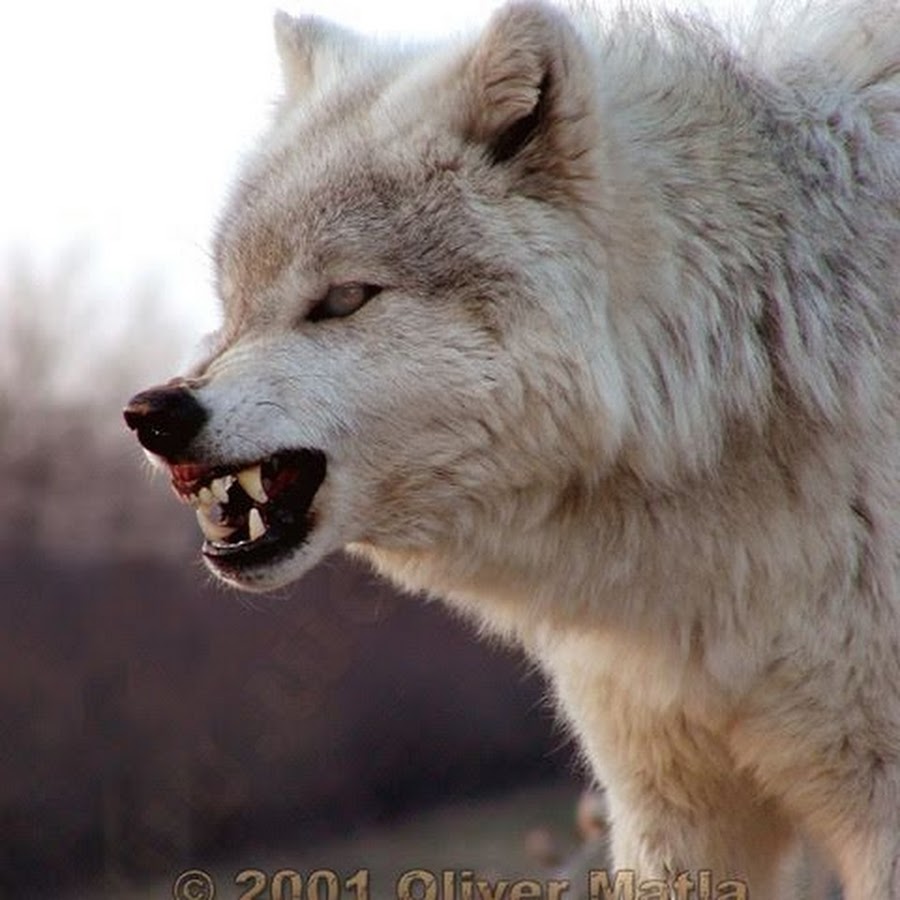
(699, 503)
(776, 282)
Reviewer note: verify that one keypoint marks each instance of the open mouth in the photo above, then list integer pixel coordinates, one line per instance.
(252, 514)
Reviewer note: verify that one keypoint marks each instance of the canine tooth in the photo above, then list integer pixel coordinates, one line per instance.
(255, 524)
(191, 499)
(220, 487)
(251, 481)
(212, 531)
(206, 496)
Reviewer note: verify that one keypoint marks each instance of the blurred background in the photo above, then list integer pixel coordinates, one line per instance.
(151, 721)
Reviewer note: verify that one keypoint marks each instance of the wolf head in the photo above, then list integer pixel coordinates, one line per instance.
(414, 351)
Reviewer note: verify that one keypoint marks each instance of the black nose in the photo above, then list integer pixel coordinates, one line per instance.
(165, 419)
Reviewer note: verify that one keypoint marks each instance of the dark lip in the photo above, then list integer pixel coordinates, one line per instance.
(290, 520)
(269, 548)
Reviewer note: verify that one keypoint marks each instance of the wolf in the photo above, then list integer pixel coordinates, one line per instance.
(587, 324)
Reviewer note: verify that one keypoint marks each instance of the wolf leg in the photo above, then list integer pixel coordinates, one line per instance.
(871, 868)
(855, 819)
(678, 802)
(674, 813)
(836, 771)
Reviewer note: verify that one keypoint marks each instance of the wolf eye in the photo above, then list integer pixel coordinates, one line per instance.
(343, 300)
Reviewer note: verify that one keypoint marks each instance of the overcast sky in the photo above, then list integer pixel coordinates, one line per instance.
(122, 123)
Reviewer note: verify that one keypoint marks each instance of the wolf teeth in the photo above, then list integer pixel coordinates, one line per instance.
(211, 530)
(251, 481)
(255, 525)
(220, 487)
(192, 500)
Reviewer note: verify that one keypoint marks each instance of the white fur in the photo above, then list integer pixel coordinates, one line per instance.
(630, 396)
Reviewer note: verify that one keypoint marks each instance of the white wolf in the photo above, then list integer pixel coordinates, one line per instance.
(590, 326)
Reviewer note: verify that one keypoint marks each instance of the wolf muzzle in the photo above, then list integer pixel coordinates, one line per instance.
(165, 419)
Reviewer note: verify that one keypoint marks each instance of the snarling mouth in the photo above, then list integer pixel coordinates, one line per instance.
(252, 514)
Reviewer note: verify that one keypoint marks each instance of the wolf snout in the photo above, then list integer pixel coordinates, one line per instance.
(165, 419)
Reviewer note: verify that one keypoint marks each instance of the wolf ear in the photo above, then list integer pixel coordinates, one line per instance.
(529, 86)
(313, 52)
